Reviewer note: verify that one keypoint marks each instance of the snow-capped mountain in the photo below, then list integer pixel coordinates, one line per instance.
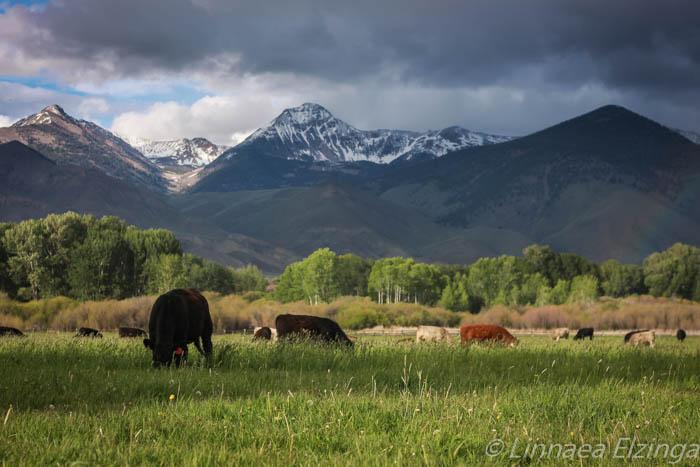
(67, 140)
(310, 132)
(195, 152)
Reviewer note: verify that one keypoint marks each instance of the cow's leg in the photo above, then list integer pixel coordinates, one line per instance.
(199, 347)
(208, 346)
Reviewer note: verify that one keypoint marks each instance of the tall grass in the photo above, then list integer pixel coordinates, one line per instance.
(100, 402)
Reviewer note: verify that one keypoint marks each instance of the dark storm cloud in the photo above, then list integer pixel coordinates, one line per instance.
(501, 66)
(644, 44)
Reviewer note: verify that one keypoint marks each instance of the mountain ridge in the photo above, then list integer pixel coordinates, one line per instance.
(310, 132)
(187, 152)
(67, 140)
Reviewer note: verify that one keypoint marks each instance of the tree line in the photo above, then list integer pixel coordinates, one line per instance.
(86, 258)
(540, 277)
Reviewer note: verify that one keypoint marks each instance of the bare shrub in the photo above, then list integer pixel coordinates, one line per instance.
(11, 321)
(229, 313)
(628, 313)
(547, 317)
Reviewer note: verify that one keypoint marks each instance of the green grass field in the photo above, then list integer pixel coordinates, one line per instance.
(67, 401)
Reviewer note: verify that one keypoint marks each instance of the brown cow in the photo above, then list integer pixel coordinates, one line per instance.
(131, 332)
(310, 326)
(486, 332)
(560, 333)
(6, 331)
(263, 334)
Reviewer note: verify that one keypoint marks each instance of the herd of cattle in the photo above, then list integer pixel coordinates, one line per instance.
(181, 317)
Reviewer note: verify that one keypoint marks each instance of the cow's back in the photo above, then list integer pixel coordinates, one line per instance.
(199, 318)
(126, 332)
(169, 320)
(10, 331)
(310, 326)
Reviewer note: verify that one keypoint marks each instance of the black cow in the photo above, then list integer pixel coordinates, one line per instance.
(131, 332)
(680, 335)
(312, 327)
(88, 332)
(263, 333)
(178, 318)
(583, 333)
(629, 334)
(6, 331)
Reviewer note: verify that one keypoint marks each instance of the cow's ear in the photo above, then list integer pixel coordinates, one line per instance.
(147, 343)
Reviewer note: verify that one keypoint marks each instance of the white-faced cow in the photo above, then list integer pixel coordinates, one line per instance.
(178, 318)
(263, 333)
(560, 333)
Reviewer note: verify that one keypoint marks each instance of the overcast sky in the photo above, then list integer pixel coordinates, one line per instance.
(165, 69)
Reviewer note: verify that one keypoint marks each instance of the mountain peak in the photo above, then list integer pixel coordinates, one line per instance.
(305, 113)
(55, 109)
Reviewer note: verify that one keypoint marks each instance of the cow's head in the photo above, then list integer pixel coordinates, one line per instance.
(163, 354)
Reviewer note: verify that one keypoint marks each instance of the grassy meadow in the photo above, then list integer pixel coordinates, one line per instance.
(98, 401)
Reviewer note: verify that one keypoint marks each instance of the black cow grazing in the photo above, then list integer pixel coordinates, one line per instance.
(88, 332)
(131, 332)
(178, 318)
(583, 333)
(6, 331)
(629, 334)
(680, 335)
(311, 327)
(263, 333)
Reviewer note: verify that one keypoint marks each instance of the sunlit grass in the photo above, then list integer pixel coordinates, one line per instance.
(99, 401)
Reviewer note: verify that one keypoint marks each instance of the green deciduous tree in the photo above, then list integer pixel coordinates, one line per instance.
(289, 287)
(318, 276)
(584, 289)
(673, 272)
(620, 280)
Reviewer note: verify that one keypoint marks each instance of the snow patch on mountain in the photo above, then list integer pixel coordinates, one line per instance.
(310, 132)
(195, 152)
(691, 135)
